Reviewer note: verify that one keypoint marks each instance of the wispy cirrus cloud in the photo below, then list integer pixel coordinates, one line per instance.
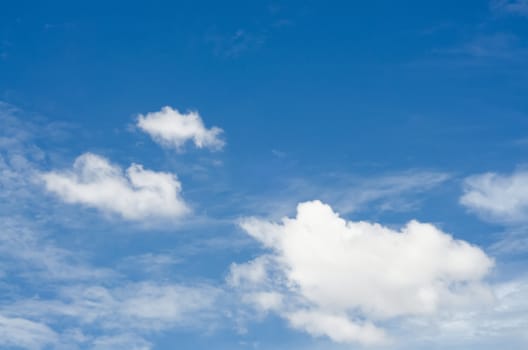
(486, 48)
(232, 45)
(54, 297)
(102, 307)
(387, 192)
(25, 252)
(513, 7)
(141, 307)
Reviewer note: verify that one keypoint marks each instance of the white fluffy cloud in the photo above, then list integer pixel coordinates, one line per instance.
(341, 279)
(498, 197)
(136, 194)
(170, 128)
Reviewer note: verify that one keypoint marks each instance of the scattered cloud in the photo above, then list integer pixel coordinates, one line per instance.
(496, 197)
(137, 194)
(390, 192)
(173, 129)
(497, 45)
(121, 341)
(108, 316)
(140, 307)
(22, 333)
(25, 253)
(504, 321)
(232, 45)
(512, 242)
(18, 153)
(79, 305)
(514, 7)
(396, 192)
(488, 48)
(150, 263)
(53, 297)
(341, 279)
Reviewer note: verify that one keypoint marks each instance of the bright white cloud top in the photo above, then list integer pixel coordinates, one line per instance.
(173, 129)
(498, 197)
(323, 274)
(135, 194)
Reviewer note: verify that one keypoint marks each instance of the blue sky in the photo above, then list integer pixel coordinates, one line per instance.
(264, 175)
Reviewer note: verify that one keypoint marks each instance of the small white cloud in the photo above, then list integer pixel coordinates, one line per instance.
(137, 194)
(332, 273)
(173, 129)
(495, 197)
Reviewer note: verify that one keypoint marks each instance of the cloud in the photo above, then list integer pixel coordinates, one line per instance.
(497, 45)
(232, 45)
(150, 263)
(390, 192)
(137, 194)
(505, 322)
(337, 327)
(25, 253)
(114, 317)
(515, 7)
(514, 241)
(19, 155)
(341, 279)
(53, 298)
(395, 192)
(496, 197)
(121, 341)
(19, 332)
(142, 307)
(173, 129)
